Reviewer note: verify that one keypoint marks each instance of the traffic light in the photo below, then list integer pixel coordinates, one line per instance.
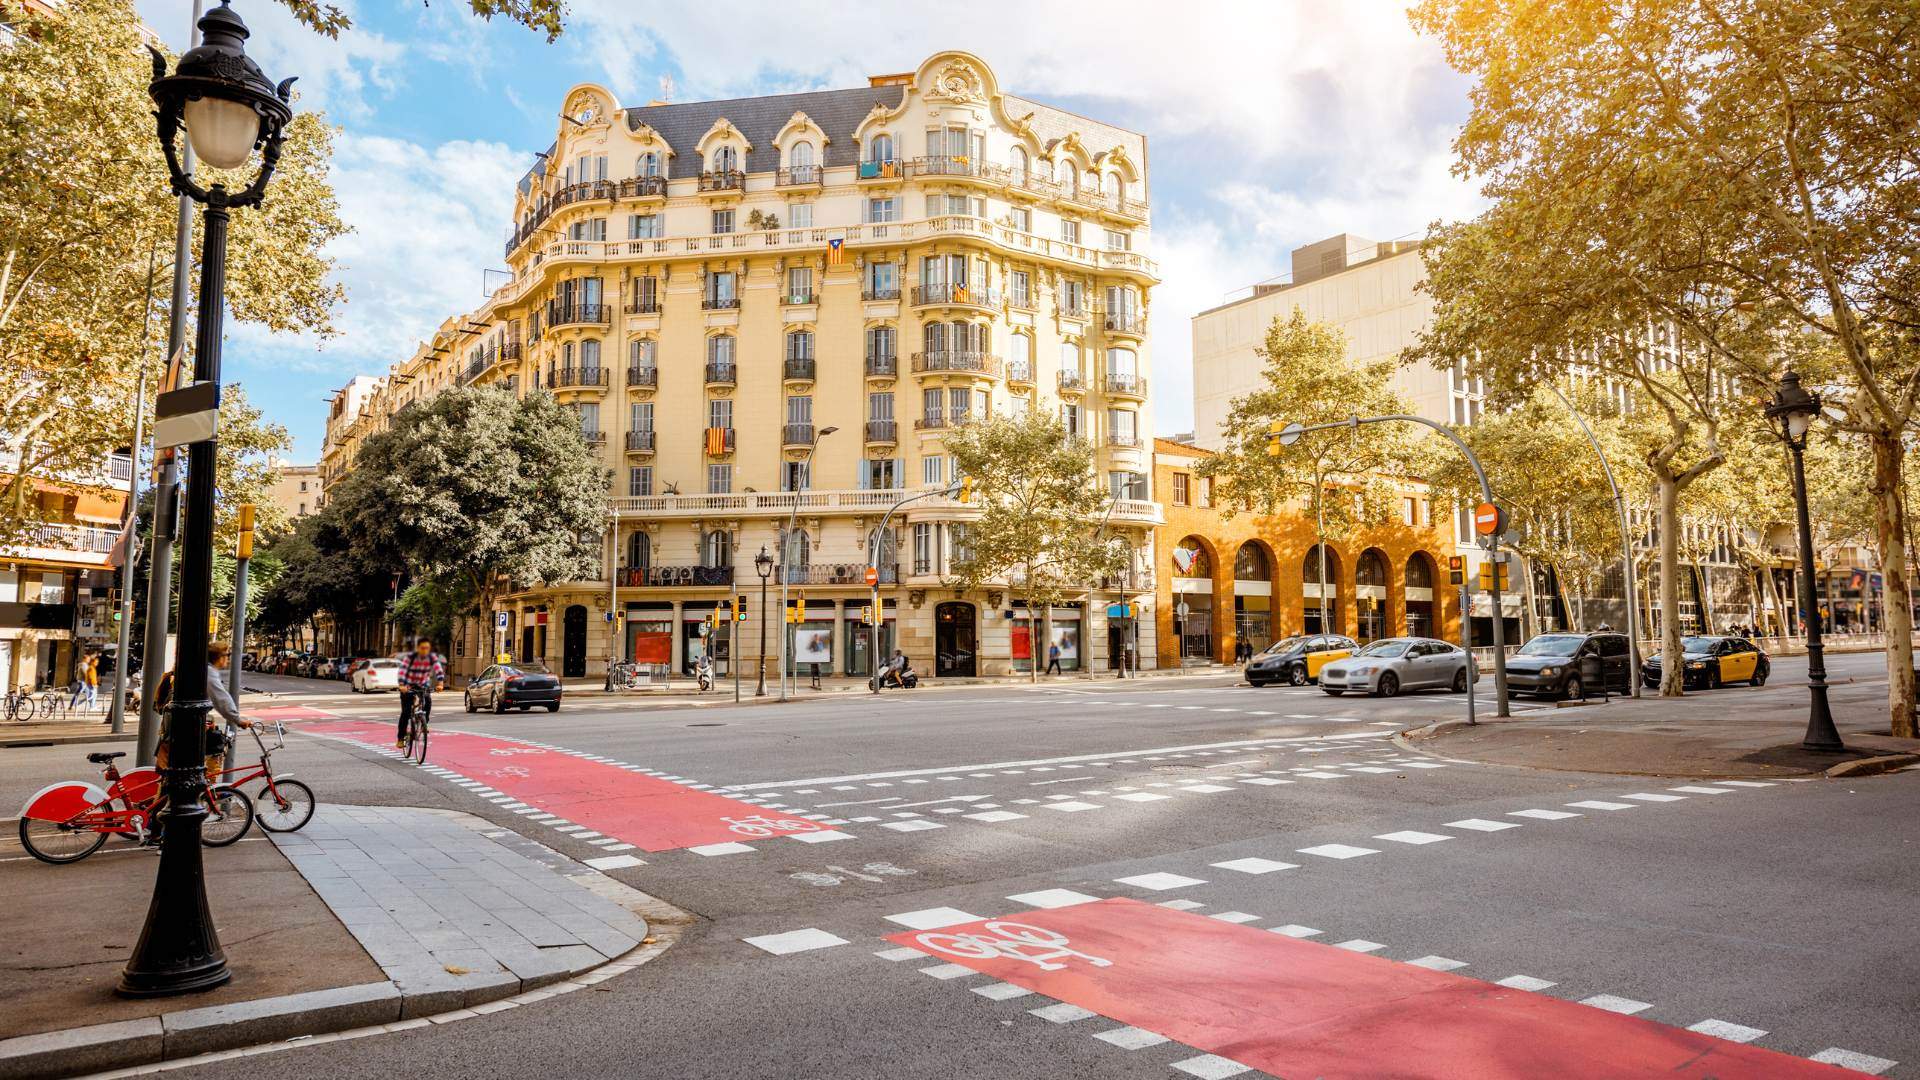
(1487, 576)
(966, 489)
(245, 545)
(1456, 569)
(740, 608)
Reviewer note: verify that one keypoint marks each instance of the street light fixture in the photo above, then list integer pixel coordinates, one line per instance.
(762, 565)
(228, 108)
(1793, 410)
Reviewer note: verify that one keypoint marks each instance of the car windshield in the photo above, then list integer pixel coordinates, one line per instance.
(1698, 644)
(1388, 648)
(1284, 645)
(1552, 645)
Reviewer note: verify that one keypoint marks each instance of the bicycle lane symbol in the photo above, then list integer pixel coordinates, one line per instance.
(1048, 950)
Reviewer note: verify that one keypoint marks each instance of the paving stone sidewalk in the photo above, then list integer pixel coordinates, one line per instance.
(453, 913)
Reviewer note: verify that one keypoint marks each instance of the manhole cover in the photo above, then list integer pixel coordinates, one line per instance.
(708, 724)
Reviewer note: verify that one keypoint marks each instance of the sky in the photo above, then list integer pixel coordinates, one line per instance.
(1269, 124)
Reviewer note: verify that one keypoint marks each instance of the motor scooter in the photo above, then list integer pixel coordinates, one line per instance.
(703, 671)
(895, 679)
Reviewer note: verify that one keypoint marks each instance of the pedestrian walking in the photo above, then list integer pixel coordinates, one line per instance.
(90, 681)
(1053, 659)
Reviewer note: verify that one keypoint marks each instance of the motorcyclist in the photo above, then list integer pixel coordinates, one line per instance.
(897, 670)
(703, 671)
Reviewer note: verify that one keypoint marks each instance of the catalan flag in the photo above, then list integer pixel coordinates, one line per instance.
(836, 251)
(716, 440)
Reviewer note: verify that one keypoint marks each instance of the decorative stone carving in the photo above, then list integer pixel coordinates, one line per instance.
(957, 81)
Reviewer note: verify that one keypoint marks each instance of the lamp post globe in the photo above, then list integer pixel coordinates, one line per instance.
(1792, 410)
(228, 108)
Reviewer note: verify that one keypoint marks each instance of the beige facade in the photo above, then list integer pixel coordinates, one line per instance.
(296, 490)
(711, 286)
(64, 568)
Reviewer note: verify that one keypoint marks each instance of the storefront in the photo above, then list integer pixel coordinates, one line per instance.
(649, 635)
(1028, 627)
(859, 640)
(1252, 596)
(1419, 590)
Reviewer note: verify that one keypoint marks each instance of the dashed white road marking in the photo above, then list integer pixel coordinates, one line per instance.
(1482, 825)
(1338, 851)
(1523, 982)
(1255, 866)
(1543, 815)
(1294, 930)
(1601, 804)
(1438, 963)
(1410, 836)
(1131, 1038)
(1211, 1067)
(932, 918)
(1721, 1029)
(794, 941)
(1052, 898)
(1848, 1059)
(1615, 1003)
(1001, 991)
(1062, 1013)
(1159, 881)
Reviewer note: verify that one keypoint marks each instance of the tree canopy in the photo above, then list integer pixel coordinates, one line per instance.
(546, 16)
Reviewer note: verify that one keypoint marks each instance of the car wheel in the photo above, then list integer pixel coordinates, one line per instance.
(1759, 676)
(499, 705)
(1713, 679)
(1573, 689)
(1332, 692)
(467, 700)
(1389, 685)
(1297, 675)
(555, 707)
(1460, 681)
(1256, 683)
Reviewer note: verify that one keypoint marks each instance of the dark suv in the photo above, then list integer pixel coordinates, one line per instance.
(1565, 665)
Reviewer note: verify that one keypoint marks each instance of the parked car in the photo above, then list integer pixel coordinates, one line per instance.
(1713, 661)
(513, 686)
(313, 666)
(1298, 660)
(1561, 665)
(1390, 665)
(374, 675)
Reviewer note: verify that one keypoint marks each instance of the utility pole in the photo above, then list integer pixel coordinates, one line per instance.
(117, 707)
(166, 489)
(243, 554)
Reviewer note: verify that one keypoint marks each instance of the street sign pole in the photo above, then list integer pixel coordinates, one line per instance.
(1466, 635)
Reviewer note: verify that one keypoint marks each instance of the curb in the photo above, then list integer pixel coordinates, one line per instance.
(1873, 766)
(200, 1036)
(22, 739)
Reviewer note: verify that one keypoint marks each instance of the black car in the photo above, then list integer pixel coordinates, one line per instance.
(1713, 661)
(513, 686)
(1565, 665)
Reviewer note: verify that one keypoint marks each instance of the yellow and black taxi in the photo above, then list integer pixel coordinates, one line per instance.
(1713, 661)
(1297, 660)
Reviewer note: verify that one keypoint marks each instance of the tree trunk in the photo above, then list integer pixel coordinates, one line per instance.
(1890, 529)
(1672, 666)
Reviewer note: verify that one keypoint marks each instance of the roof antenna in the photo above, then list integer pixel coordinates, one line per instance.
(666, 88)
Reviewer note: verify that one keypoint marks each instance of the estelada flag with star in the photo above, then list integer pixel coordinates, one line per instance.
(836, 251)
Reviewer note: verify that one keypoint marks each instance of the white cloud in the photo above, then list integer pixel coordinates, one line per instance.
(339, 77)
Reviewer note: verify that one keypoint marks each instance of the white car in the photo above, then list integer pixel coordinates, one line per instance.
(375, 675)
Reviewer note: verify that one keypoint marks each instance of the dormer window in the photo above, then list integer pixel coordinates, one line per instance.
(648, 165)
(726, 159)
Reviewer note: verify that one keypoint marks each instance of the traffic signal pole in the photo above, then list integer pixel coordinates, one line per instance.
(958, 489)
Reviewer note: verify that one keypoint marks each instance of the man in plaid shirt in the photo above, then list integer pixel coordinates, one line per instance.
(422, 671)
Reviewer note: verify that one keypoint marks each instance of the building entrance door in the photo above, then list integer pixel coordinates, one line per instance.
(573, 643)
(953, 640)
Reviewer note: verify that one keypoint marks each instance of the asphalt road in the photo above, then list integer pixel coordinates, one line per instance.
(1782, 909)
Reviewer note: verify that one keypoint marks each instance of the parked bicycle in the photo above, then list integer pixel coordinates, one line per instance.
(282, 804)
(68, 821)
(19, 704)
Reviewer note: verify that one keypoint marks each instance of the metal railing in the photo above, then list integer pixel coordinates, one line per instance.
(796, 435)
(833, 574)
(1123, 384)
(594, 438)
(956, 360)
(1122, 438)
(643, 307)
(62, 536)
(720, 303)
(1020, 371)
(799, 297)
(930, 423)
(883, 364)
(569, 377)
(1124, 322)
(643, 375)
(726, 439)
(798, 368)
(882, 431)
(722, 372)
(892, 293)
(640, 441)
(797, 175)
(724, 180)
(980, 296)
(1072, 380)
(575, 314)
(664, 577)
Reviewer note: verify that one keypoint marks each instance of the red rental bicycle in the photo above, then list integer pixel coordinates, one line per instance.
(282, 804)
(70, 820)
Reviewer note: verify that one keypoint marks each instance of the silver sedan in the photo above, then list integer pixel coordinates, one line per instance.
(1390, 665)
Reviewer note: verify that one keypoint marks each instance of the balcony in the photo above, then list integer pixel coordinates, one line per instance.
(936, 422)
(559, 315)
(567, 378)
(1072, 309)
(649, 306)
(882, 365)
(891, 292)
(957, 166)
(797, 176)
(1072, 382)
(798, 369)
(796, 435)
(1129, 323)
(732, 180)
(1124, 438)
(1118, 384)
(883, 431)
(644, 187)
(800, 298)
(643, 377)
(510, 352)
(719, 441)
(595, 439)
(955, 360)
(668, 577)
(833, 574)
(722, 373)
(946, 295)
(1019, 373)
(720, 303)
(640, 442)
(880, 171)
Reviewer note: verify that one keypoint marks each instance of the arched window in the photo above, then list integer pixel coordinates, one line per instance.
(880, 147)
(720, 349)
(800, 156)
(1070, 178)
(1017, 164)
(648, 165)
(639, 551)
(1372, 569)
(640, 352)
(1122, 362)
(1370, 594)
(566, 355)
(1190, 559)
(934, 337)
(1314, 604)
(1250, 563)
(800, 345)
(1020, 357)
(1419, 571)
(726, 159)
(968, 336)
(799, 548)
(590, 355)
(716, 548)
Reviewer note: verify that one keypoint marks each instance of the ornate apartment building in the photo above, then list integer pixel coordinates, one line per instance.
(780, 306)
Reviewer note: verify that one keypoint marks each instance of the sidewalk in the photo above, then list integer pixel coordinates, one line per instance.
(1732, 733)
(370, 919)
(684, 686)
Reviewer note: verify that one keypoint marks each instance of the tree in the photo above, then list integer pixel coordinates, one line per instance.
(1758, 152)
(474, 488)
(1344, 479)
(1042, 525)
(86, 222)
(319, 572)
(542, 15)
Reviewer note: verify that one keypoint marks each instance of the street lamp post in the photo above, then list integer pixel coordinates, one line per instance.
(227, 108)
(1793, 410)
(786, 551)
(762, 565)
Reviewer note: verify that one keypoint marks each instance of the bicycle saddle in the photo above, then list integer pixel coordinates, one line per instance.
(102, 759)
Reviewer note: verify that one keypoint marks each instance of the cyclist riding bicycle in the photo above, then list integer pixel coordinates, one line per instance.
(422, 671)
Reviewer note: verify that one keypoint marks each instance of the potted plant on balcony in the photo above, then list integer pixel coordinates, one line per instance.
(760, 219)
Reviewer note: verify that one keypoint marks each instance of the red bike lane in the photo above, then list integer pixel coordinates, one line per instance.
(1296, 1008)
(650, 813)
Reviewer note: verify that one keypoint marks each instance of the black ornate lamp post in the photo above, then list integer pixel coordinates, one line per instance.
(763, 565)
(1793, 410)
(228, 108)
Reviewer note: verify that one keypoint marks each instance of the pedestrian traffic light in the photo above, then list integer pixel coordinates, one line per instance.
(1456, 569)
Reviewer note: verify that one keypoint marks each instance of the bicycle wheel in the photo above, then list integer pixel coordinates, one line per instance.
(229, 816)
(283, 806)
(23, 709)
(417, 741)
(52, 842)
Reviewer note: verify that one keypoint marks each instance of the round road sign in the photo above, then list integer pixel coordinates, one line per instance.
(873, 576)
(1488, 519)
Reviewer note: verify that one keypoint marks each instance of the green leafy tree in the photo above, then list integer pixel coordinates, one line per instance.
(472, 488)
(1043, 513)
(546, 16)
(86, 222)
(320, 573)
(1344, 479)
(1752, 155)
